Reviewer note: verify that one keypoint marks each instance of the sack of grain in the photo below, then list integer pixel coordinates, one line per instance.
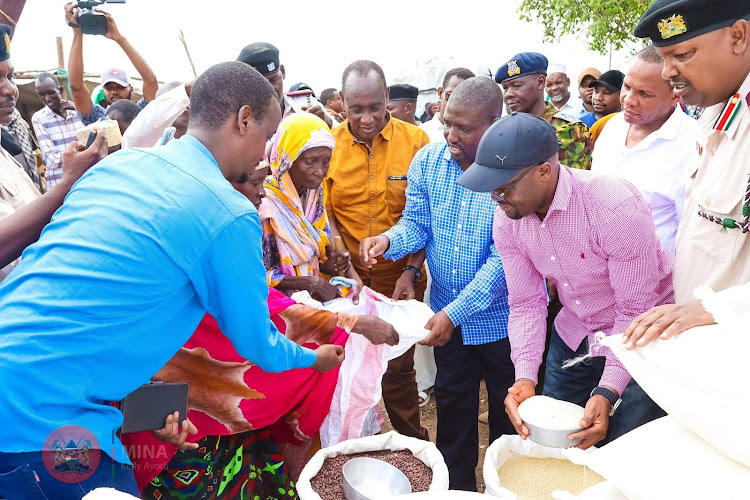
(425, 451)
(700, 377)
(661, 460)
(512, 451)
(359, 389)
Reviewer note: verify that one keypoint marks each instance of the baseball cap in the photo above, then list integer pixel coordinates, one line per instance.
(611, 80)
(262, 56)
(511, 144)
(589, 72)
(117, 75)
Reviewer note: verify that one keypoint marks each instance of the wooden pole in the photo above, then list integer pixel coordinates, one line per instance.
(60, 55)
(187, 51)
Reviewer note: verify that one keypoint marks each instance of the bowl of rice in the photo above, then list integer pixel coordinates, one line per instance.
(550, 421)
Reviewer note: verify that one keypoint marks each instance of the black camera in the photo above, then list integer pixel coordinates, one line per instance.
(91, 22)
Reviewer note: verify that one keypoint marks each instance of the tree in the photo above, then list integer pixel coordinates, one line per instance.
(602, 22)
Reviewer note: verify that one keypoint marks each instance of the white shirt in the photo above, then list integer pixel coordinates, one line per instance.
(434, 129)
(573, 108)
(658, 166)
(147, 128)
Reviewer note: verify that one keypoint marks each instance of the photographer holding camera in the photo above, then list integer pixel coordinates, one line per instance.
(115, 82)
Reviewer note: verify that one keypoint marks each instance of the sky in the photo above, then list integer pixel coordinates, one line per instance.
(316, 39)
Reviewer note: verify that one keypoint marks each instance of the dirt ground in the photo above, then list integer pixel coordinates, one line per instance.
(429, 420)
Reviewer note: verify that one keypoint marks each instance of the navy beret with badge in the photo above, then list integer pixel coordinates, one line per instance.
(518, 141)
(667, 22)
(403, 92)
(525, 63)
(5, 46)
(262, 56)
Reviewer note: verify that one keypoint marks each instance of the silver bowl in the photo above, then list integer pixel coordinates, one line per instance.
(552, 438)
(369, 478)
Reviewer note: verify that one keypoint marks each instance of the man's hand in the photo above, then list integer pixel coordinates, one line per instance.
(371, 248)
(351, 273)
(329, 357)
(318, 111)
(338, 262)
(522, 390)
(171, 433)
(77, 159)
(552, 289)
(321, 290)
(441, 330)
(594, 423)
(71, 14)
(113, 32)
(376, 330)
(404, 287)
(665, 322)
(66, 105)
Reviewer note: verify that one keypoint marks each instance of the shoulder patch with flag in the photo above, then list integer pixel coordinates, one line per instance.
(730, 112)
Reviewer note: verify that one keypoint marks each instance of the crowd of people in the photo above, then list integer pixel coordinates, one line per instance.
(161, 240)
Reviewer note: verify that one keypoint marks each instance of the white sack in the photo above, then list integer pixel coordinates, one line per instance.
(663, 460)
(700, 377)
(425, 451)
(359, 385)
(506, 447)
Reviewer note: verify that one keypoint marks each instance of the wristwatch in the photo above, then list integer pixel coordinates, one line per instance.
(417, 272)
(611, 396)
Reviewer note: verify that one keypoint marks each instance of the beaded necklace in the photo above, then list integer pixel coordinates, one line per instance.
(728, 223)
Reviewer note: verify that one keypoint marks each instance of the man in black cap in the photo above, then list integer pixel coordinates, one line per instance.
(523, 79)
(606, 96)
(402, 102)
(557, 222)
(706, 51)
(264, 57)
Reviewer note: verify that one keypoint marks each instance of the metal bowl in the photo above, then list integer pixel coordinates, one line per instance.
(554, 438)
(369, 478)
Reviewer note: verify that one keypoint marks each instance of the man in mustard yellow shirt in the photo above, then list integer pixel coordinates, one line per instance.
(366, 187)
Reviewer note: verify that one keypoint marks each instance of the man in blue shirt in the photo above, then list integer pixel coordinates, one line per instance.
(469, 331)
(145, 244)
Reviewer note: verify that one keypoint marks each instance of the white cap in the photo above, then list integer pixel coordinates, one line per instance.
(557, 68)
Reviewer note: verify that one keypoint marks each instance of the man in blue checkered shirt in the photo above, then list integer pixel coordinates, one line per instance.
(470, 331)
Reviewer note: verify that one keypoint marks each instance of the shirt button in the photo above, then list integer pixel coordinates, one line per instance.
(578, 302)
(552, 258)
(454, 271)
(373, 219)
(565, 284)
(372, 197)
(459, 226)
(372, 156)
(454, 290)
(708, 202)
(542, 226)
(463, 203)
(372, 177)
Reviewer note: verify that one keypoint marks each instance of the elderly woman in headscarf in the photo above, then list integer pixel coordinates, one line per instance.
(296, 231)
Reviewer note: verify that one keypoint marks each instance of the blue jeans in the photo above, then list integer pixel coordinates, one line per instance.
(460, 369)
(23, 476)
(575, 384)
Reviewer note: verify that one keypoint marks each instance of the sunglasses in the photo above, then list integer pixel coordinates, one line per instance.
(500, 197)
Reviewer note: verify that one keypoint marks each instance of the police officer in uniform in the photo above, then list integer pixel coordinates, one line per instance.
(523, 78)
(706, 50)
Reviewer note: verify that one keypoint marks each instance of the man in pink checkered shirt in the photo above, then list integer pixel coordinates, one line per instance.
(594, 237)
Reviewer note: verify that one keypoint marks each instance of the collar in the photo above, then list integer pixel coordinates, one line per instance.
(737, 105)
(563, 192)
(386, 133)
(199, 146)
(668, 131)
(71, 113)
